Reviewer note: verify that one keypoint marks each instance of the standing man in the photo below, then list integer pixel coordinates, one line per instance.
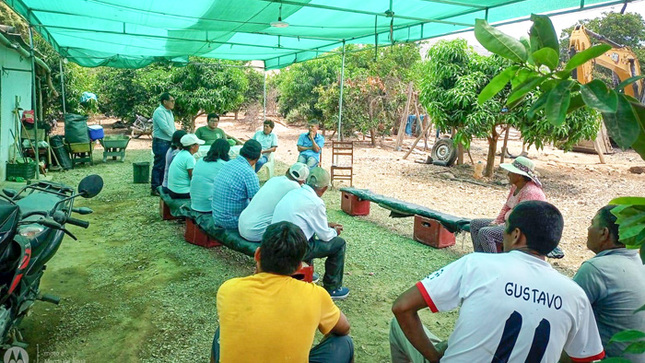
(163, 126)
(272, 317)
(256, 217)
(269, 142)
(614, 281)
(515, 307)
(235, 185)
(305, 208)
(310, 145)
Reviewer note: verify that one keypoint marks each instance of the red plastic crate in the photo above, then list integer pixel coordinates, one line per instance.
(430, 232)
(164, 212)
(306, 273)
(196, 236)
(353, 205)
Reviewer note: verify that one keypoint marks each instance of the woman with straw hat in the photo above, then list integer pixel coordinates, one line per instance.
(487, 234)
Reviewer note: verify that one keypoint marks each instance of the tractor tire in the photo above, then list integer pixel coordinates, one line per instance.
(444, 152)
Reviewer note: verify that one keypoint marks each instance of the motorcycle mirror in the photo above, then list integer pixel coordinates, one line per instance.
(90, 186)
(9, 192)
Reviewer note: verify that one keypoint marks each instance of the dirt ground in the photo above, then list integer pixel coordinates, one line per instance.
(577, 183)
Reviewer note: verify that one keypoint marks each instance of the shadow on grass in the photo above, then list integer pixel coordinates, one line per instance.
(133, 290)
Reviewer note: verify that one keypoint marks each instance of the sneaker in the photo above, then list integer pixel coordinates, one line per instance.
(340, 293)
(556, 253)
(315, 278)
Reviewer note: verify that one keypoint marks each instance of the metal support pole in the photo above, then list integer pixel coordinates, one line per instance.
(33, 97)
(62, 84)
(340, 100)
(265, 96)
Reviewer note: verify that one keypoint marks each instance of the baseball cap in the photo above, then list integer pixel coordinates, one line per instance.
(251, 149)
(299, 171)
(190, 139)
(318, 178)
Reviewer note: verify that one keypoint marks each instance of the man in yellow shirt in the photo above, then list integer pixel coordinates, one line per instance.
(272, 317)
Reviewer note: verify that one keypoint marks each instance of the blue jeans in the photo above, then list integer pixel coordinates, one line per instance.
(332, 349)
(159, 148)
(261, 161)
(309, 160)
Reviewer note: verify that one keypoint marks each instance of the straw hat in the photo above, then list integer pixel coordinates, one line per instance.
(523, 166)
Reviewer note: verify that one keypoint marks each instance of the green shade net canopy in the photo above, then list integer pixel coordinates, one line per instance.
(133, 34)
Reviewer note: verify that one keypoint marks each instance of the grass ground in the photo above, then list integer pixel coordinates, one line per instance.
(134, 291)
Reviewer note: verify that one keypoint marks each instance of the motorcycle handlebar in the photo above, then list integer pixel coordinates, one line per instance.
(78, 222)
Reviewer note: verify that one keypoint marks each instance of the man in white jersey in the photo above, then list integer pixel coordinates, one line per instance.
(514, 306)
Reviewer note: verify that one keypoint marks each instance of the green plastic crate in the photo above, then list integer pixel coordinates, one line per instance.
(22, 170)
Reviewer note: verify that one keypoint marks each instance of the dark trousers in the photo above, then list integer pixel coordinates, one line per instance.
(174, 195)
(332, 349)
(261, 161)
(159, 149)
(334, 250)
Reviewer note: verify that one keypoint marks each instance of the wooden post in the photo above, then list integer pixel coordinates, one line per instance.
(414, 144)
(505, 146)
(399, 136)
(596, 145)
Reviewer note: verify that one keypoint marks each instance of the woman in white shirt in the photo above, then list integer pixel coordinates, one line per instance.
(201, 185)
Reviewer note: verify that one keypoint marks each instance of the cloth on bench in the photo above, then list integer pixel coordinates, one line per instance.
(401, 208)
(228, 237)
(174, 204)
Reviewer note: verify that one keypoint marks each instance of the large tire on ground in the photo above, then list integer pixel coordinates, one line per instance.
(444, 151)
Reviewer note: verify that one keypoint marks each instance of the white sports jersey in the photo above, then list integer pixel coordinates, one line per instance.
(514, 308)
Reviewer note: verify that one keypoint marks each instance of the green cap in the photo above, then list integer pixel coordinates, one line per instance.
(318, 178)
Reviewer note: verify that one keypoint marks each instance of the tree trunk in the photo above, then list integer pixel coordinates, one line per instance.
(505, 146)
(460, 154)
(492, 148)
(373, 136)
(236, 114)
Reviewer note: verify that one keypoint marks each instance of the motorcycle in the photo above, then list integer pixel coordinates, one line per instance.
(32, 227)
(141, 126)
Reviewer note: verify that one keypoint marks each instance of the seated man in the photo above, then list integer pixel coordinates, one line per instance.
(305, 208)
(614, 281)
(235, 185)
(212, 132)
(269, 142)
(256, 217)
(272, 317)
(515, 307)
(310, 145)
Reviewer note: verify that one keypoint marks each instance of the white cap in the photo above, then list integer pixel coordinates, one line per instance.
(190, 139)
(299, 171)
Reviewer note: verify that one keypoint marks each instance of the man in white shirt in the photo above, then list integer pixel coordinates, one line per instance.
(514, 306)
(305, 208)
(256, 217)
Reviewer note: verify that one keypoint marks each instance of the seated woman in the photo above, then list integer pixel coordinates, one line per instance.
(181, 168)
(487, 234)
(201, 185)
(175, 147)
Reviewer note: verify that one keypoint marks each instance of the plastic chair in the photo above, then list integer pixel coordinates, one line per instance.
(267, 170)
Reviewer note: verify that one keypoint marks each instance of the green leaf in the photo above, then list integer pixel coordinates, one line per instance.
(632, 241)
(639, 144)
(537, 105)
(548, 57)
(498, 42)
(627, 82)
(642, 259)
(544, 33)
(586, 55)
(563, 74)
(627, 336)
(524, 88)
(628, 201)
(597, 95)
(558, 102)
(496, 84)
(576, 103)
(629, 232)
(623, 126)
(635, 348)
(527, 45)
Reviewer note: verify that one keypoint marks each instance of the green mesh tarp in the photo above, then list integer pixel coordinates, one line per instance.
(132, 34)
